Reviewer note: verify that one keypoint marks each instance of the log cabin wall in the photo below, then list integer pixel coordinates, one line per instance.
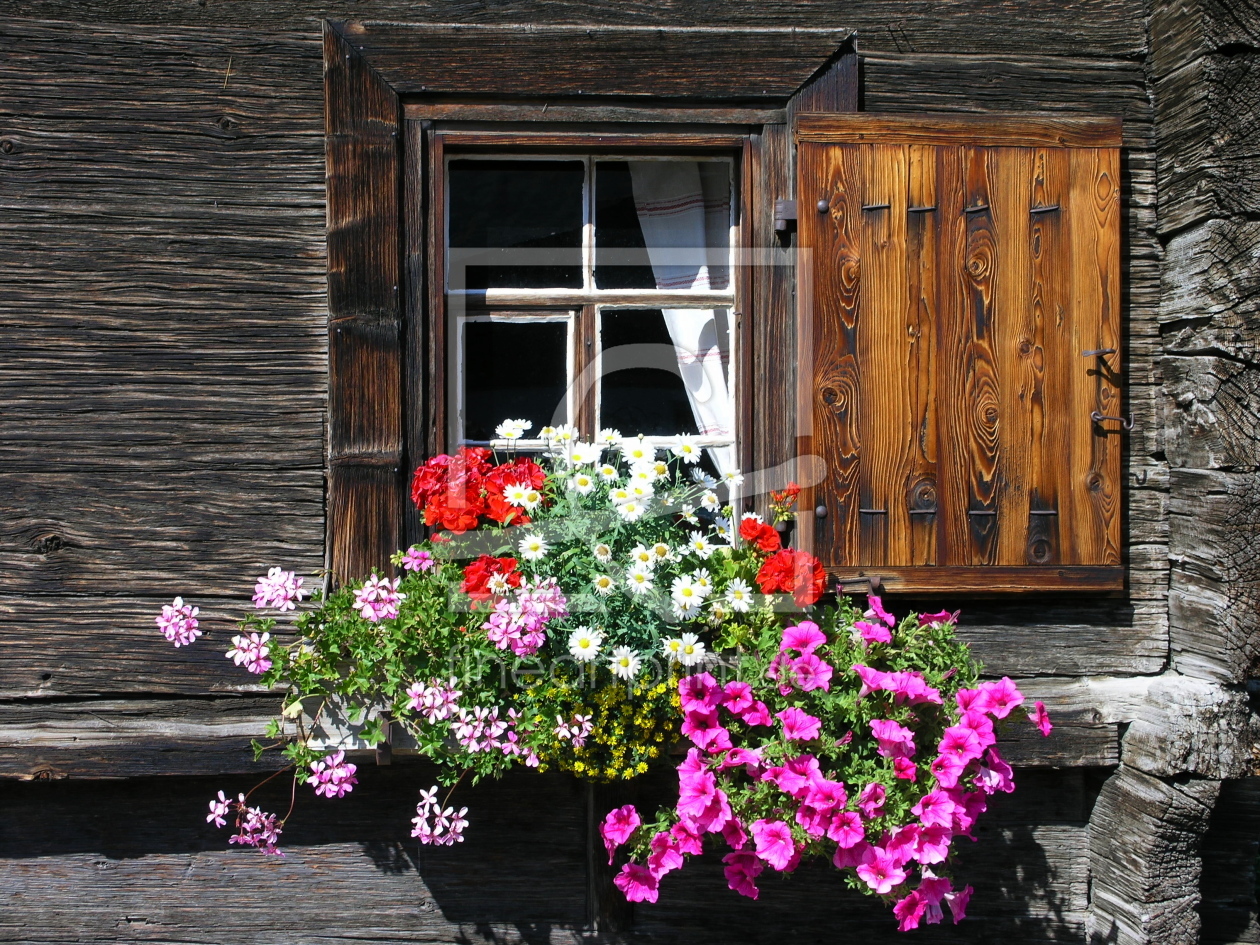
(164, 373)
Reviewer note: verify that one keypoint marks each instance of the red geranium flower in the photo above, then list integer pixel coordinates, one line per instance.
(793, 572)
(477, 575)
(760, 534)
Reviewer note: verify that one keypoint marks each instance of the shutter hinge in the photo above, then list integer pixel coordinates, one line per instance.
(784, 214)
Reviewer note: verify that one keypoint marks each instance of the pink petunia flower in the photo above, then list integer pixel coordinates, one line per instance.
(957, 902)
(872, 679)
(798, 726)
(934, 809)
(938, 619)
(704, 729)
(738, 697)
(741, 870)
(972, 700)
(617, 828)
(960, 743)
(1041, 718)
(734, 834)
(909, 911)
(877, 611)
(933, 844)
(773, 842)
(902, 842)
(872, 632)
(637, 883)
(895, 740)
(665, 856)
(871, 800)
(881, 873)
(905, 769)
(811, 673)
(1003, 696)
(759, 714)
(178, 622)
(700, 693)
(805, 637)
(846, 829)
(995, 774)
(947, 769)
(854, 855)
(689, 840)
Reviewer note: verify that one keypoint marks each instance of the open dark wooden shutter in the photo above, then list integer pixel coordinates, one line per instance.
(959, 298)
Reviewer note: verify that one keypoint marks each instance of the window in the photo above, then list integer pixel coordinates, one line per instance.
(935, 355)
(591, 289)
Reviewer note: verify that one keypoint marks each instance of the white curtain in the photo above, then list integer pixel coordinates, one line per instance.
(684, 212)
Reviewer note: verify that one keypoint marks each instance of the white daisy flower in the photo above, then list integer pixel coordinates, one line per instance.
(639, 579)
(710, 500)
(532, 498)
(547, 433)
(642, 555)
(702, 478)
(516, 493)
(603, 553)
(625, 663)
(698, 545)
(751, 515)
(582, 483)
(619, 494)
(609, 437)
(688, 513)
(722, 527)
(733, 477)
(691, 651)
(497, 584)
(717, 612)
(660, 468)
(739, 595)
(512, 429)
(672, 648)
(565, 433)
(687, 609)
(604, 585)
(583, 454)
(532, 547)
(607, 472)
(584, 644)
(704, 583)
(643, 472)
(684, 588)
(640, 490)
(633, 510)
(685, 449)
(661, 552)
(635, 450)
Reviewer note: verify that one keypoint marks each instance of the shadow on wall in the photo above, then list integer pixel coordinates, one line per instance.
(86, 856)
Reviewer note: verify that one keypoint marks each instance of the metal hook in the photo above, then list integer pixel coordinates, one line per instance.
(1100, 417)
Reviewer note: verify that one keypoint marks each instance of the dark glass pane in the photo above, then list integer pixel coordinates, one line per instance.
(516, 370)
(618, 236)
(662, 224)
(534, 206)
(641, 390)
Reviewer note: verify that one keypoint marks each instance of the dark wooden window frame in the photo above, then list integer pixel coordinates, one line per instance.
(389, 88)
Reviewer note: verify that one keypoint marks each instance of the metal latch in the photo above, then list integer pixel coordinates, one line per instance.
(784, 214)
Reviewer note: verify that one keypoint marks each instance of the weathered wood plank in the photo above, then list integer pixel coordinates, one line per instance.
(1080, 27)
(1229, 852)
(204, 532)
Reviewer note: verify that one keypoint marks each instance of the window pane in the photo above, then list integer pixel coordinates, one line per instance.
(516, 370)
(662, 224)
(665, 372)
(532, 207)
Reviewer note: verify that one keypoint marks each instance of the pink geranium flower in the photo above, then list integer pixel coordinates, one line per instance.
(742, 868)
(178, 622)
(1040, 718)
(805, 637)
(773, 841)
(798, 726)
(416, 559)
(617, 827)
(637, 883)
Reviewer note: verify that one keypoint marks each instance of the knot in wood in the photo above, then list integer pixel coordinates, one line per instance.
(7, 146)
(47, 544)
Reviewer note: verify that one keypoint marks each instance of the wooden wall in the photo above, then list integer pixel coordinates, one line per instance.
(162, 421)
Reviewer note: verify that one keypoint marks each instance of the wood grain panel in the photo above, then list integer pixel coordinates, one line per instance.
(1052, 359)
(832, 236)
(1095, 454)
(975, 131)
(885, 421)
(921, 497)
(1010, 169)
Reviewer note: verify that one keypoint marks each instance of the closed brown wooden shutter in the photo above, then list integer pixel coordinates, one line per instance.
(952, 273)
